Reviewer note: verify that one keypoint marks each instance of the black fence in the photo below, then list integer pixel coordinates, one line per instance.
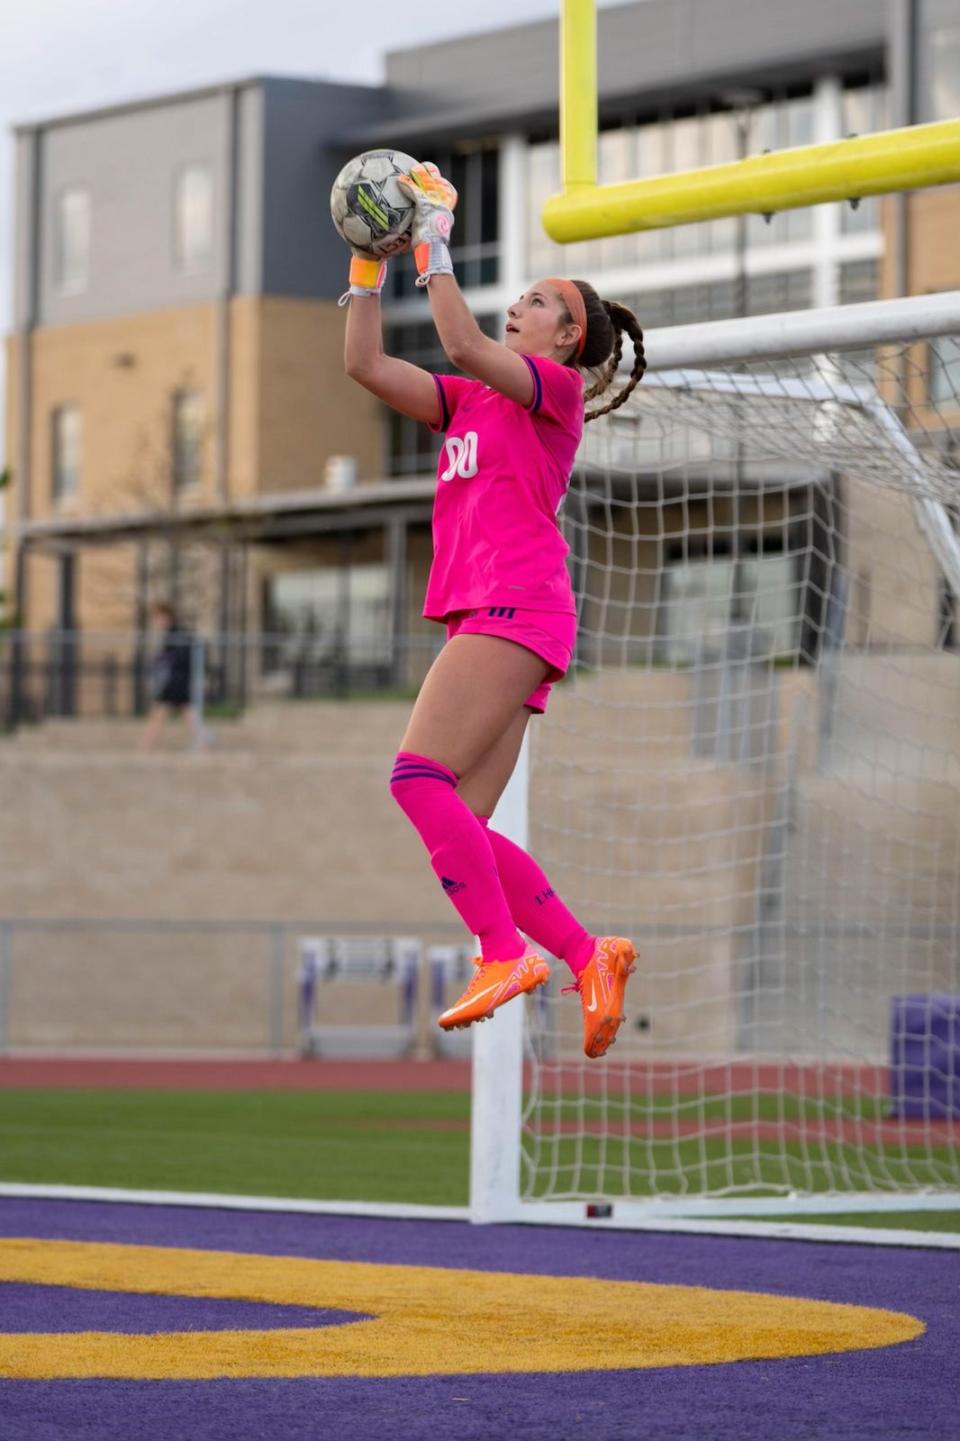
(75, 675)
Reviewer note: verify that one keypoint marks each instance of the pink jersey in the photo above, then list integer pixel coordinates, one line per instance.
(502, 475)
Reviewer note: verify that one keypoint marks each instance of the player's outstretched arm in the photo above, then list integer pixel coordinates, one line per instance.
(461, 337)
(403, 386)
(470, 350)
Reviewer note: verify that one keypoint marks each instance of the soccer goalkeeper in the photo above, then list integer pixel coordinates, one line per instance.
(512, 424)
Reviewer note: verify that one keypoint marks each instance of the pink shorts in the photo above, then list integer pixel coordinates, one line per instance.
(549, 634)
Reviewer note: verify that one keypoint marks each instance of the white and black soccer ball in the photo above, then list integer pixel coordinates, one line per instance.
(368, 207)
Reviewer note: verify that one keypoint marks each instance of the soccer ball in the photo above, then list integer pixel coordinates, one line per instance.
(368, 207)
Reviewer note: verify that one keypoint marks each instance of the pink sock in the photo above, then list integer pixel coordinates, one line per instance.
(536, 907)
(460, 852)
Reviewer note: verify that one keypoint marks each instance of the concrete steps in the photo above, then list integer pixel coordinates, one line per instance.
(286, 817)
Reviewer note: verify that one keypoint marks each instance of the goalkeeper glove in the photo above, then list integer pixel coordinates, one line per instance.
(434, 198)
(366, 277)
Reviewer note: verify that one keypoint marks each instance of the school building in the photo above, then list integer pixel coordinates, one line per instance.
(179, 423)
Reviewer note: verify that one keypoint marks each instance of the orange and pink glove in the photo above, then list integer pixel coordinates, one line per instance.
(435, 199)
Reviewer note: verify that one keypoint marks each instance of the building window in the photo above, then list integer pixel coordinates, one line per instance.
(193, 218)
(188, 419)
(635, 147)
(73, 241)
(720, 299)
(783, 124)
(944, 373)
(699, 603)
(329, 616)
(625, 151)
(475, 250)
(859, 281)
(411, 447)
(66, 444)
(865, 111)
(939, 66)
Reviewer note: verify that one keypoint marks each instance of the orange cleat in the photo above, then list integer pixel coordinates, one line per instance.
(492, 984)
(601, 985)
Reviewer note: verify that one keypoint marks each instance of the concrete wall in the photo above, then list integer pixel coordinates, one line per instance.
(291, 823)
(895, 579)
(287, 819)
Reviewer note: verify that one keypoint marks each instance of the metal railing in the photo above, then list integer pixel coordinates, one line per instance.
(156, 986)
(76, 674)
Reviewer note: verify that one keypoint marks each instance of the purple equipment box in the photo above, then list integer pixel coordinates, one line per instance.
(925, 1057)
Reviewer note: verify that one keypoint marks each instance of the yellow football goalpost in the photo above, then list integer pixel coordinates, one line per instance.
(905, 159)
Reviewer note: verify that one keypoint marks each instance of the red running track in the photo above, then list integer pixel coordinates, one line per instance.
(608, 1077)
(239, 1075)
(636, 1080)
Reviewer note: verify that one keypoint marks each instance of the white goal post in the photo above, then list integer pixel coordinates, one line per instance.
(754, 770)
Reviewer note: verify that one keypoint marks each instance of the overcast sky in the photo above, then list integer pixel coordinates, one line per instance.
(58, 56)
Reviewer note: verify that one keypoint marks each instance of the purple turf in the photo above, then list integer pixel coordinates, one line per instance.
(907, 1391)
(65, 1308)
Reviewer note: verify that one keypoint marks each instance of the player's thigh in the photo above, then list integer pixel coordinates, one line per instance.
(484, 783)
(471, 697)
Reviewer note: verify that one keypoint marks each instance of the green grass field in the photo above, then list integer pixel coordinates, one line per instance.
(388, 1146)
(613, 1165)
(947, 1221)
(759, 1105)
(328, 1145)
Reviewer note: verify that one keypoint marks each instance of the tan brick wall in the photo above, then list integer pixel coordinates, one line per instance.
(934, 217)
(895, 596)
(122, 374)
(895, 577)
(309, 409)
(935, 255)
(291, 407)
(245, 400)
(12, 389)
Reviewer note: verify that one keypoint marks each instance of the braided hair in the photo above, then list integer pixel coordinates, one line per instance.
(607, 323)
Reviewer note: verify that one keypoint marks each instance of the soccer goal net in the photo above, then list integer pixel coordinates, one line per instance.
(754, 771)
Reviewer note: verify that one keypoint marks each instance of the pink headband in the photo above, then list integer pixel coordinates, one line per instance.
(575, 305)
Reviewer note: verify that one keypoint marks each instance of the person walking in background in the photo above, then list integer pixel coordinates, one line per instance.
(170, 676)
(499, 584)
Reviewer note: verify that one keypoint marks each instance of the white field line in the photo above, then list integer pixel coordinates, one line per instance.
(795, 1230)
(388, 1210)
